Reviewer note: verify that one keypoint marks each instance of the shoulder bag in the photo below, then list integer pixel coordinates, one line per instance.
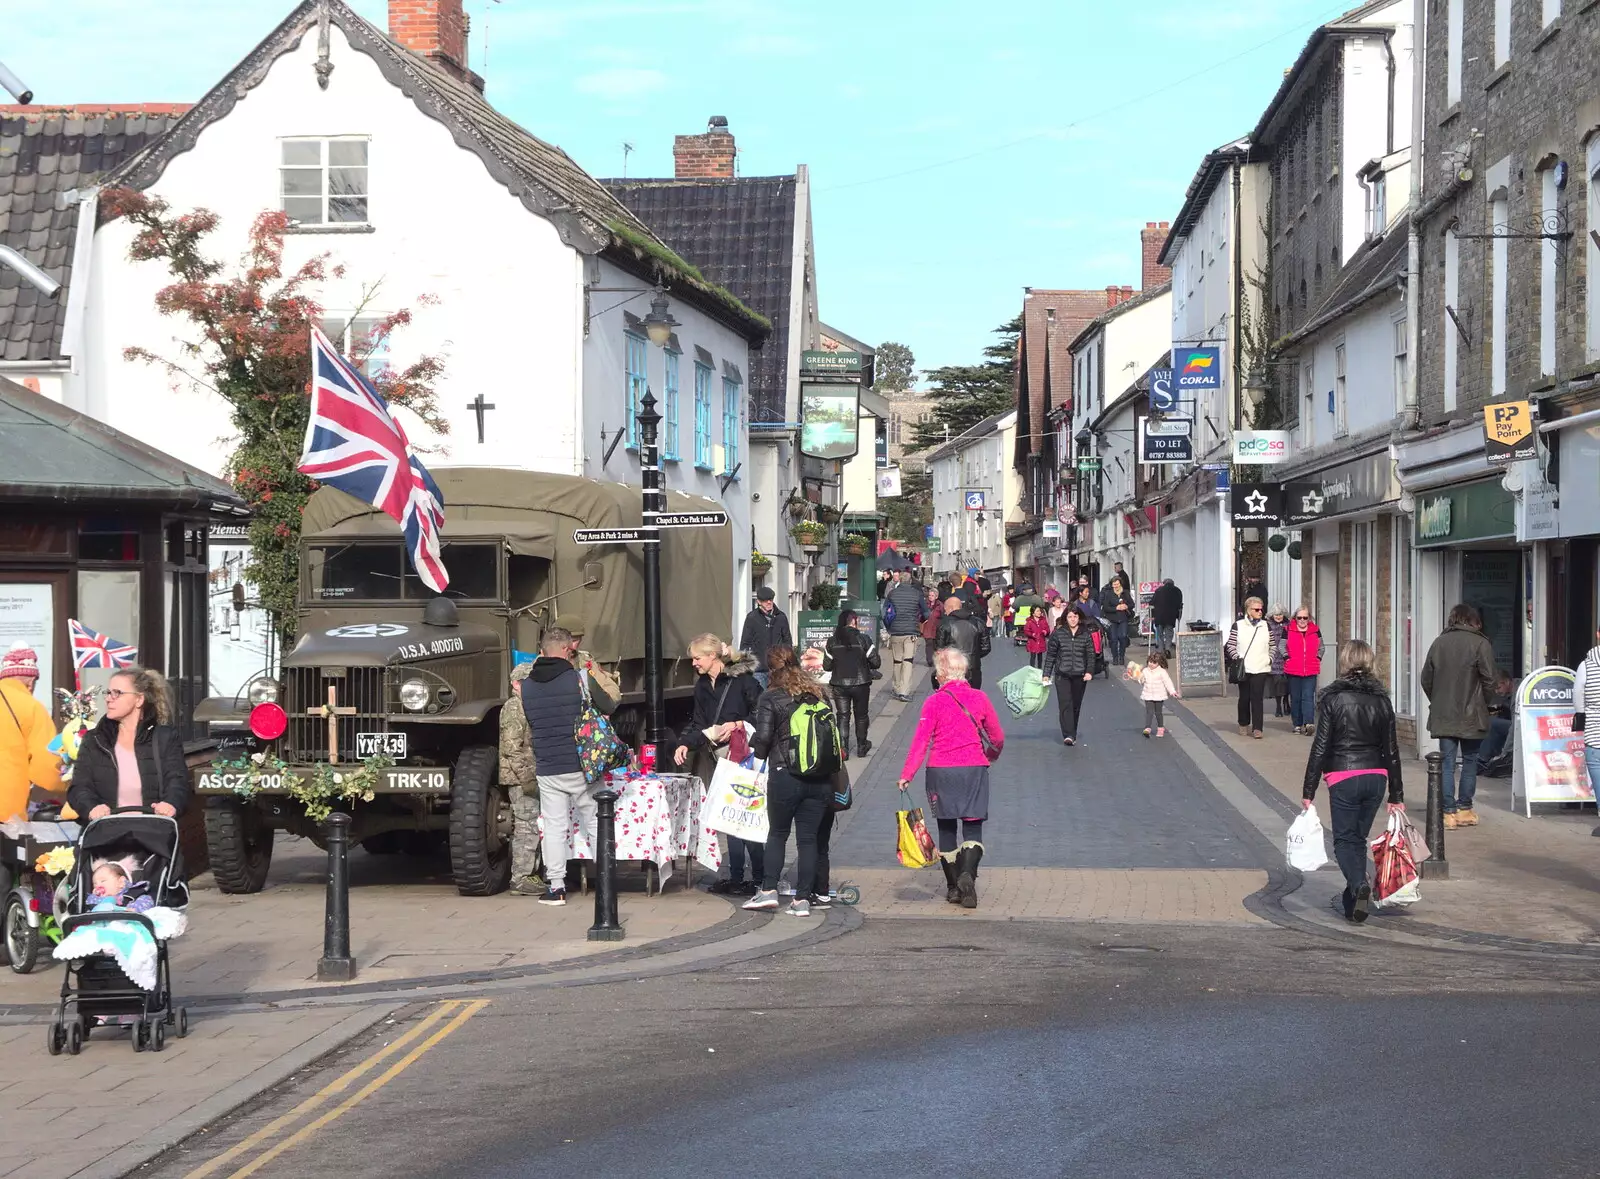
(989, 751)
(1236, 668)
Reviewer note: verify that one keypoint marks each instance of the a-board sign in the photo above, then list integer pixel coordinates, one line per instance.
(1549, 765)
(1198, 666)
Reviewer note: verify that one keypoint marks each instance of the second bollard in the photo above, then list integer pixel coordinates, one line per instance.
(336, 964)
(606, 927)
(1435, 867)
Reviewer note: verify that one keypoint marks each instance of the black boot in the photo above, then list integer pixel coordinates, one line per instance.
(863, 747)
(951, 892)
(967, 874)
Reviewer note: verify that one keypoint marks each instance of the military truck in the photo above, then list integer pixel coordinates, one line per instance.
(382, 667)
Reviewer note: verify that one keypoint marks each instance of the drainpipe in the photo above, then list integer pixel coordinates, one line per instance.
(1238, 288)
(1388, 52)
(1411, 418)
(74, 330)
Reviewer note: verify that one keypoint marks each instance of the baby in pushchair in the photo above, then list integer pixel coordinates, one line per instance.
(126, 902)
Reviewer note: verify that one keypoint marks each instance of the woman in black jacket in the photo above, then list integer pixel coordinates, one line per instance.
(1070, 652)
(1357, 750)
(1118, 608)
(133, 758)
(791, 801)
(725, 695)
(852, 658)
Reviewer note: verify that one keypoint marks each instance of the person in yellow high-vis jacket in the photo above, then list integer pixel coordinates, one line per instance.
(26, 731)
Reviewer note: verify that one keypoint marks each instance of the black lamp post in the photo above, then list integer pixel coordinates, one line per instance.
(654, 503)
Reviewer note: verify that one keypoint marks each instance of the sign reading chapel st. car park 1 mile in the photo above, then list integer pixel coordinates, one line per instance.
(663, 520)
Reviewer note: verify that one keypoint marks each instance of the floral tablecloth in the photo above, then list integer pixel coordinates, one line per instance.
(658, 820)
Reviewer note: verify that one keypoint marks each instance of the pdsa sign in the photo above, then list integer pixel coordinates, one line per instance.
(1260, 446)
(1548, 766)
(1197, 368)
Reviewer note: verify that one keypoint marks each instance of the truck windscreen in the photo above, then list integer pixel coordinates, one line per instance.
(381, 571)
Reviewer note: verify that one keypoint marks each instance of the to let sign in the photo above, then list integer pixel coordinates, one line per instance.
(1169, 440)
(1508, 433)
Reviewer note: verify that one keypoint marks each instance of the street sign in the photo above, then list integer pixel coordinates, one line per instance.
(607, 535)
(1089, 462)
(692, 519)
(1163, 395)
(1169, 440)
(933, 544)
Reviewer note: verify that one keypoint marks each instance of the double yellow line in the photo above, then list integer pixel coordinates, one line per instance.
(452, 1012)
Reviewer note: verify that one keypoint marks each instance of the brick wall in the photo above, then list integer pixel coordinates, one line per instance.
(437, 29)
(710, 154)
(1536, 109)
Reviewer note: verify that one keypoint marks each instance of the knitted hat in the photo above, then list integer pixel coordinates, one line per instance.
(21, 661)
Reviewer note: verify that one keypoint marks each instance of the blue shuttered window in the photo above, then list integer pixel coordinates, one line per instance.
(638, 378)
(730, 425)
(702, 417)
(669, 443)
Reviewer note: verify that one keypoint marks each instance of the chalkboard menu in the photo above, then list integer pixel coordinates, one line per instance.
(1199, 663)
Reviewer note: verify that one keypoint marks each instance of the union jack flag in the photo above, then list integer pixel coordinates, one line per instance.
(93, 649)
(353, 443)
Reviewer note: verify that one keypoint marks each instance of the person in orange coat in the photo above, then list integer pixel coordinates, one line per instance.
(26, 731)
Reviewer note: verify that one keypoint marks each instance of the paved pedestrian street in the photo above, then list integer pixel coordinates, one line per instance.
(1119, 827)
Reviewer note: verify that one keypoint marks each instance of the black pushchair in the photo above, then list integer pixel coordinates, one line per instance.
(95, 990)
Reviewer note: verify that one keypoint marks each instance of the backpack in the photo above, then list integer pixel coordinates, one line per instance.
(814, 742)
(888, 612)
(600, 750)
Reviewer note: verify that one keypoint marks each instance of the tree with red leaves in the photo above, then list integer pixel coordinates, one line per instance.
(254, 352)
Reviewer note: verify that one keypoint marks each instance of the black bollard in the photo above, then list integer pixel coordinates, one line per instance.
(1435, 867)
(606, 927)
(336, 964)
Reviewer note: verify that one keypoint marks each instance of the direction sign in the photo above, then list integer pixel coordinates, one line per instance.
(1089, 462)
(692, 519)
(607, 535)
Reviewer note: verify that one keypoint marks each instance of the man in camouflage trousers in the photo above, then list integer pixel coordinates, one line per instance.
(517, 771)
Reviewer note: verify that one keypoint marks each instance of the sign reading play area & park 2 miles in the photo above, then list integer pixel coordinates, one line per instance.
(607, 535)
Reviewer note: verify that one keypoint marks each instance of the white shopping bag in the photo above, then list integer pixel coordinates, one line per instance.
(736, 802)
(1305, 842)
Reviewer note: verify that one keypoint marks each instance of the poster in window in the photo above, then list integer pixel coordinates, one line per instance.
(27, 614)
(830, 426)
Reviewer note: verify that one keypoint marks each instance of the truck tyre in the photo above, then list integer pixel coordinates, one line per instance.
(240, 845)
(480, 844)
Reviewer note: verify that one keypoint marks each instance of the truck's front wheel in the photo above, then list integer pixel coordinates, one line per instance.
(239, 842)
(480, 815)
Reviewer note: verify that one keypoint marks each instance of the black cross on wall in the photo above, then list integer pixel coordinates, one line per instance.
(478, 405)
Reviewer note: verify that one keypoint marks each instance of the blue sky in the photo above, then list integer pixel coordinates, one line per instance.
(954, 160)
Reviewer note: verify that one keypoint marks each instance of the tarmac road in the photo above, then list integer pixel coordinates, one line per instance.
(989, 1048)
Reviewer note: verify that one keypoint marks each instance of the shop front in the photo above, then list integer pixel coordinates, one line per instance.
(1466, 541)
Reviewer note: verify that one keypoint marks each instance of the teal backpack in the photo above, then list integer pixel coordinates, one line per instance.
(814, 740)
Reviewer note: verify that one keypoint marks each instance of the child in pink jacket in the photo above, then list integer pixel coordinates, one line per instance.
(1155, 688)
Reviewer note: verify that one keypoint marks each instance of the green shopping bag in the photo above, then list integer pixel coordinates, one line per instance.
(1025, 691)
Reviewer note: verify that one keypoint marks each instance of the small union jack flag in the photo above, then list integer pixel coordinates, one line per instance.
(354, 444)
(92, 649)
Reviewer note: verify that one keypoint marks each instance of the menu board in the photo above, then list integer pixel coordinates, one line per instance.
(1199, 663)
(1549, 765)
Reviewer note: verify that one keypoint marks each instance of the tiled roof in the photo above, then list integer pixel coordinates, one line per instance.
(740, 233)
(1378, 265)
(45, 153)
(52, 452)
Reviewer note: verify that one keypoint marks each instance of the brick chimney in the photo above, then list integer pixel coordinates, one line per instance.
(437, 30)
(1115, 295)
(1152, 239)
(708, 155)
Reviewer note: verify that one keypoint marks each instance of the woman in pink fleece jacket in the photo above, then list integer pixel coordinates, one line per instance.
(950, 738)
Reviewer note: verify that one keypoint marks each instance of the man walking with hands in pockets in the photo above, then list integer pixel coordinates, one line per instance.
(905, 607)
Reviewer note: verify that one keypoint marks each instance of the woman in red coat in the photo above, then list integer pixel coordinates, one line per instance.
(1302, 663)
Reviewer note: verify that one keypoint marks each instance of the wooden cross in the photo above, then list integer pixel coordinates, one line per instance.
(333, 712)
(477, 405)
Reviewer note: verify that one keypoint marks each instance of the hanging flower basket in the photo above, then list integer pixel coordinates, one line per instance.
(827, 514)
(810, 535)
(760, 564)
(798, 507)
(855, 544)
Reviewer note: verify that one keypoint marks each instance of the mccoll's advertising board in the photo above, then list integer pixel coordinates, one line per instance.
(1548, 766)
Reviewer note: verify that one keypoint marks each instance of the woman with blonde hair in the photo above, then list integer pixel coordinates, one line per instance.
(1250, 645)
(133, 757)
(1357, 750)
(725, 695)
(959, 736)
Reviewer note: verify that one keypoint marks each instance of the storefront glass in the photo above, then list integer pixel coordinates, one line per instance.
(1491, 582)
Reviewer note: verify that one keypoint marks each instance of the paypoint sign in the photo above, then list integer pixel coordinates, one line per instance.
(1197, 368)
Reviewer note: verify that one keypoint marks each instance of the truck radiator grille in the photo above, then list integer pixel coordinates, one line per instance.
(306, 688)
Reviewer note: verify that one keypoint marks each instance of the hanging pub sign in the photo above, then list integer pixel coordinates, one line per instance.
(1303, 503)
(1508, 434)
(830, 419)
(1256, 505)
(1166, 441)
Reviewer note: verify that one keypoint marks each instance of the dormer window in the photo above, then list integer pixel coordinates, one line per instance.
(324, 181)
